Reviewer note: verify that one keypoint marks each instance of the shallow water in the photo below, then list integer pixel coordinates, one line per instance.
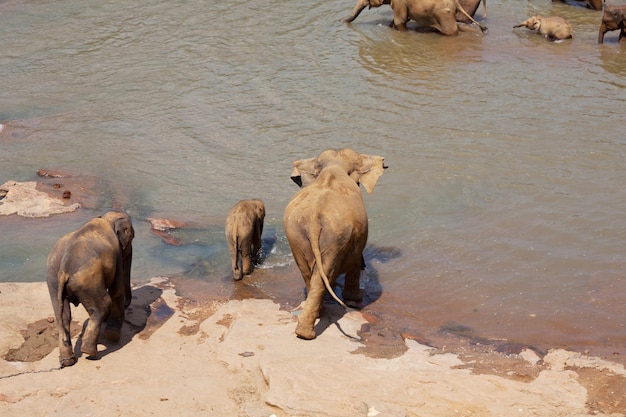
(503, 207)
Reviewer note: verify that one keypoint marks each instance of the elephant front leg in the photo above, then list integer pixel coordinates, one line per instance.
(352, 289)
(115, 321)
(311, 309)
(98, 312)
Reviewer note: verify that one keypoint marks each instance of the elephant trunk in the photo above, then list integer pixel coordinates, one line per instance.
(601, 33)
(360, 5)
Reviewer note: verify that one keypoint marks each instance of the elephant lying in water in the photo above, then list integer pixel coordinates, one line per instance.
(326, 226)
(91, 265)
(553, 28)
(438, 15)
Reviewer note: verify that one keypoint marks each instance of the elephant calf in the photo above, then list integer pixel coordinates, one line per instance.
(553, 28)
(91, 266)
(244, 227)
(613, 19)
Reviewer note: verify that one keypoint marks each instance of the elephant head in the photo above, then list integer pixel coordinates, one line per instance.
(363, 169)
(122, 226)
(613, 19)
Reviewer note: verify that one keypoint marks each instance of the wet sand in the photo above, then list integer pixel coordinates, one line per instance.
(187, 356)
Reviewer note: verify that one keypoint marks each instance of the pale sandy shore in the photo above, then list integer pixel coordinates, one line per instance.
(241, 358)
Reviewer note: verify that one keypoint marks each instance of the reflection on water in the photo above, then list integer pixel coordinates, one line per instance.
(502, 209)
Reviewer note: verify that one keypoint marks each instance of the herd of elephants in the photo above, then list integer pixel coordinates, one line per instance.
(443, 16)
(325, 222)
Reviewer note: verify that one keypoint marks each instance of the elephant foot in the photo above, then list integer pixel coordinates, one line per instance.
(67, 361)
(92, 353)
(353, 295)
(305, 332)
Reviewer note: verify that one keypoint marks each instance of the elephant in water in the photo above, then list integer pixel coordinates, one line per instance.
(244, 227)
(438, 15)
(553, 28)
(470, 6)
(590, 4)
(613, 19)
(91, 265)
(326, 226)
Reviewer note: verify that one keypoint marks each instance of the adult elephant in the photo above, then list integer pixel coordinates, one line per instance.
(326, 226)
(91, 265)
(438, 15)
(613, 19)
(470, 6)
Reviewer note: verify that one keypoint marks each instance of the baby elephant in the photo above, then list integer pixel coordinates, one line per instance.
(244, 226)
(553, 28)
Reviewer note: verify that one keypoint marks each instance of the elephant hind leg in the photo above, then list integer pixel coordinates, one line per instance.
(310, 312)
(66, 353)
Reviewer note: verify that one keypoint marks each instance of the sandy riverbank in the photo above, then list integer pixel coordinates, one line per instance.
(241, 358)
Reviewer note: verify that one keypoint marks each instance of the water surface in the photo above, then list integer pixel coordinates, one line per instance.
(503, 207)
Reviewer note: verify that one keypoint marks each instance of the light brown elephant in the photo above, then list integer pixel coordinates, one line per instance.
(553, 27)
(244, 227)
(437, 15)
(91, 265)
(613, 19)
(326, 226)
(470, 6)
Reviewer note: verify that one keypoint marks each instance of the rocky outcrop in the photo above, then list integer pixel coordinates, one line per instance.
(23, 199)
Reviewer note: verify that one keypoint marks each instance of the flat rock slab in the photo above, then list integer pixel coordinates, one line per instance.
(23, 199)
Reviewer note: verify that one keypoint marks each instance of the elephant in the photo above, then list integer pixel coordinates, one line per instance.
(91, 266)
(590, 4)
(613, 19)
(553, 27)
(439, 15)
(470, 6)
(326, 226)
(244, 227)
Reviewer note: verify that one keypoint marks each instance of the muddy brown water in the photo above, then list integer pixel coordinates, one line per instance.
(500, 218)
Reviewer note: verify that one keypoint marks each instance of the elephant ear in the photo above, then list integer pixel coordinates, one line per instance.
(371, 168)
(305, 171)
(124, 231)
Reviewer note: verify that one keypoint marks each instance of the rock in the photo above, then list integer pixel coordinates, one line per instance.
(23, 199)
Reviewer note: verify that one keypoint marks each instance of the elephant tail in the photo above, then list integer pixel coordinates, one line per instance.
(320, 267)
(483, 28)
(63, 279)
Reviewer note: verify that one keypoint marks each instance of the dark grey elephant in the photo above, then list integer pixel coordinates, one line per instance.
(326, 226)
(91, 266)
(244, 227)
(613, 19)
(590, 4)
(437, 15)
